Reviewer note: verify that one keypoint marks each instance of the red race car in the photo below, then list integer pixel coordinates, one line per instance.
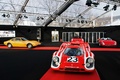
(73, 56)
(107, 42)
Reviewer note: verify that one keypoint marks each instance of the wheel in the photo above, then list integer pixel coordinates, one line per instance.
(99, 44)
(29, 45)
(9, 45)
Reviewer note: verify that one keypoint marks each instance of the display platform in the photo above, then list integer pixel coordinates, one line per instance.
(58, 75)
(56, 48)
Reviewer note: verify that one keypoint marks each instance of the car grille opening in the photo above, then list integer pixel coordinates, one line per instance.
(74, 69)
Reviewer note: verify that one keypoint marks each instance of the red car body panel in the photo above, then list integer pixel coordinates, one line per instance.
(107, 42)
(73, 62)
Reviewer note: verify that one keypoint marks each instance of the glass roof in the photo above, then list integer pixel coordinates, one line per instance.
(78, 14)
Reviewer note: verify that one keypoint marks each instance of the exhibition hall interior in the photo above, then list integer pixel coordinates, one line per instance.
(59, 39)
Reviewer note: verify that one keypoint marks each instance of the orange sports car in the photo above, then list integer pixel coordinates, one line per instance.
(21, 42)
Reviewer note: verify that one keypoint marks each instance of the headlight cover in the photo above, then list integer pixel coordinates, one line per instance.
(89, 62)
(55, 61)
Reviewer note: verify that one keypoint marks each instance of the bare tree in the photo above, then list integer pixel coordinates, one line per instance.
(50, 5)
(2, 7)
(13, 7)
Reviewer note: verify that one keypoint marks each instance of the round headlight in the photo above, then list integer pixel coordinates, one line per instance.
(57, 63)
(87, 64)
(55, 59)
(90, 60)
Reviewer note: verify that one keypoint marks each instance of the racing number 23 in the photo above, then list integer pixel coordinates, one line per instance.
(72, 59)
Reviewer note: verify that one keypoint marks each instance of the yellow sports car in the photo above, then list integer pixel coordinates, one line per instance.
(21, 42)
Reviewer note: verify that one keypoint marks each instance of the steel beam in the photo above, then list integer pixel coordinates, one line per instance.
(58, 12)
(21, 10)
(99, 16)
(78, 16)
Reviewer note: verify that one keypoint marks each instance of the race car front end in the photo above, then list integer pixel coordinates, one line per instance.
(55, 63)
(73, 57)
(73, 64)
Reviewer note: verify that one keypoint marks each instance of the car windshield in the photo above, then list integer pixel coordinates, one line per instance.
(73, 51)
(17, 39)
(109, 39)
(102, 38)
(106, 38)
(24, 39)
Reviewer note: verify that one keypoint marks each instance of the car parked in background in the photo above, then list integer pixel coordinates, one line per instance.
(107, 42)
(73, 56)
(21, 42)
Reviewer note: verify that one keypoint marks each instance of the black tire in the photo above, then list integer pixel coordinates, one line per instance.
(9, 45)
(99, 44)
(29, 45)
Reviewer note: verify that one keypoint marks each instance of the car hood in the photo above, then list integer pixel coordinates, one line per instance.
(72, 59)
(109, 41)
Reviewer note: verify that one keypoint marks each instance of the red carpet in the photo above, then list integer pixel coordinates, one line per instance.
(56, 48)
(56, 75)
(105, 49)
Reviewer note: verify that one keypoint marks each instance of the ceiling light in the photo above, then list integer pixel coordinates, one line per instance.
(106, 7)
(88, 2)
(114, 7)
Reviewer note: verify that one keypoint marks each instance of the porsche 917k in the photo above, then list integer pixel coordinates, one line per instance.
(73, 56)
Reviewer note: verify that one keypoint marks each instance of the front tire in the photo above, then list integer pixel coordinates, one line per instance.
(99, 44)
(29, 45)
(9, 45)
